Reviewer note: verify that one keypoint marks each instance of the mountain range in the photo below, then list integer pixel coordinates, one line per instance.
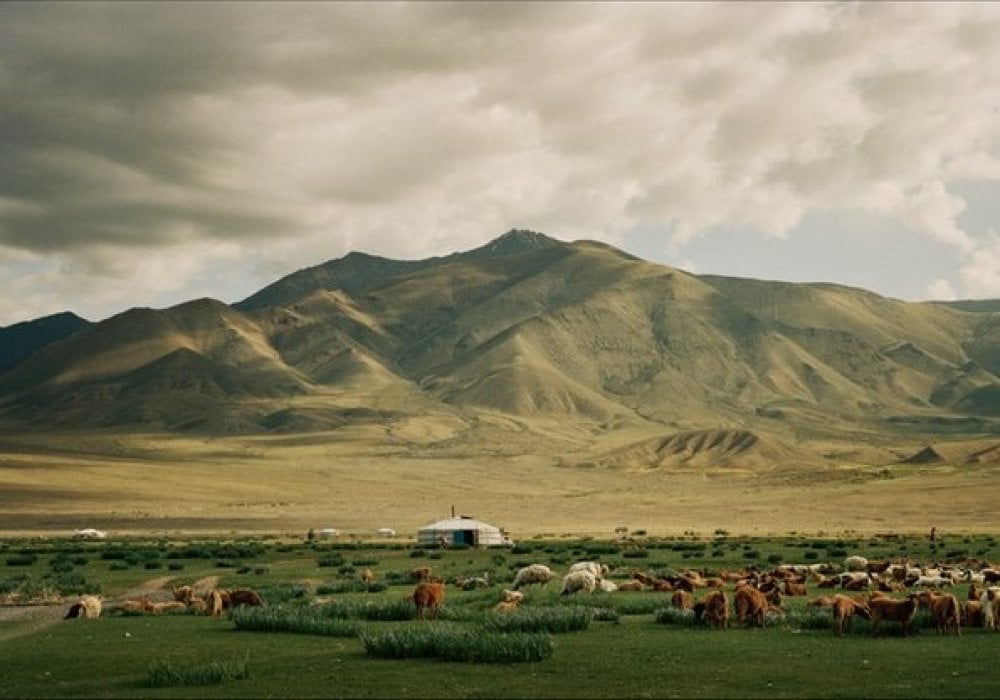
(642, 364)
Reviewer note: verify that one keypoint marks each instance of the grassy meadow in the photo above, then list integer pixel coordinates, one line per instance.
(322, 634)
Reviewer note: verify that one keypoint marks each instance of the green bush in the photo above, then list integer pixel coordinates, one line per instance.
(22, 560)
(275, 618)
(330, 560)
(453, 644)
(165, 674)
(547, 619)
(675, 616)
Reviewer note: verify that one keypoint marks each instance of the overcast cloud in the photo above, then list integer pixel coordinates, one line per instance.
(152, 153)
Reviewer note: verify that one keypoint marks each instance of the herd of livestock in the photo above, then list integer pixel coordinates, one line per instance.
(874, 590)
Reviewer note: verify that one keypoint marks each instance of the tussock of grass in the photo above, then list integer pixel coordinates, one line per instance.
(552, 619)
(382, 611)
(165, 674)
(294, 620)
(453, 644)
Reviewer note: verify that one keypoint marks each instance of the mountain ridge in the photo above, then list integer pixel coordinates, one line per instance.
(536, 329)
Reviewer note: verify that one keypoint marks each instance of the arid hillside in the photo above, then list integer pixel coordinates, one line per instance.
(606, 358)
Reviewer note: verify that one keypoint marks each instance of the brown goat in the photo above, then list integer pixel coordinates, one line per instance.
(945, 610)
(901, 611)
(428, 595)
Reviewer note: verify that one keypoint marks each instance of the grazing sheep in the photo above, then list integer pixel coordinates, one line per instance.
(901, 611)
(428, 595)
(598, 570)
(533, 573)
(856, 563)
(578, 581)
(989, 599)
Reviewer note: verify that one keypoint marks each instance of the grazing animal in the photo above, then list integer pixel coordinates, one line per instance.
(367, 578)
(184, 594)
(716, 610)
(533, 573)
(198, 604)
(901, 611)
(89, 606)
(821, 602)
(244, 596)
(989, 600)
(972, 614)
(598, 570)
(844, 610)
(132, 605)
(631, 585)
(216, 603)
(607, 585)
(751, 604)
(945, 611)
(682, 600)
(428, 595)
(795, 589)
(856, 563)
(509, 602)
(421, 573)
(576, 581)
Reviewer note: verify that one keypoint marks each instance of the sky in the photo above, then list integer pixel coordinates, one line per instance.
(153, 153)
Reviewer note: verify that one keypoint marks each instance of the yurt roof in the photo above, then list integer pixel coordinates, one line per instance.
(460, 524)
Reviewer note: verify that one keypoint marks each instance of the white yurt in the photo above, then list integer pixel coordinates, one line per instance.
(462, 530)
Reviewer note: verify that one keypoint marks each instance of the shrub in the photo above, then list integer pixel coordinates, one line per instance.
(453, 644)
(385, 611)
(675, 616)
(811, 554)
(119, 566)
(329, 560)
(774, 558)
(164, 674)
(547, 619)
(22, 560)
(276, 618)
(62, 566)
(635, 553)
(175, 566)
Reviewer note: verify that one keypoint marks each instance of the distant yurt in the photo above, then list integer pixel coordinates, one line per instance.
(462, 530)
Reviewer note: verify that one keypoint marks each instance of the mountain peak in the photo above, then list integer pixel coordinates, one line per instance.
(516, 241)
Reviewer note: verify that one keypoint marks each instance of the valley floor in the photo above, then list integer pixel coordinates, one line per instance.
(154, 485)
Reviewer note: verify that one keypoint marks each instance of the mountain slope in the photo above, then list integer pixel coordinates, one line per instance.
(20, 340)
(533, 328)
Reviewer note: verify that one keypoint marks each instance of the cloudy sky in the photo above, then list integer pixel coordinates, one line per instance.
(152, 153)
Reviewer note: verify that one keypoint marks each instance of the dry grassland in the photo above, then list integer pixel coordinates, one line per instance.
(358, 479)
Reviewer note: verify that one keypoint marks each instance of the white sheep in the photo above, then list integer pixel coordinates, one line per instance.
(607, 586)
(534, 573)
(598, 570)
(989, 600)
(856, 563)
(578, 581)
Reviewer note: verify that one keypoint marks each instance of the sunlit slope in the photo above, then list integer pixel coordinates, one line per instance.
(532, 328)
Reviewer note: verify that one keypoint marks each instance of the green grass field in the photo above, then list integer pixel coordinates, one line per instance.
(623, 651)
